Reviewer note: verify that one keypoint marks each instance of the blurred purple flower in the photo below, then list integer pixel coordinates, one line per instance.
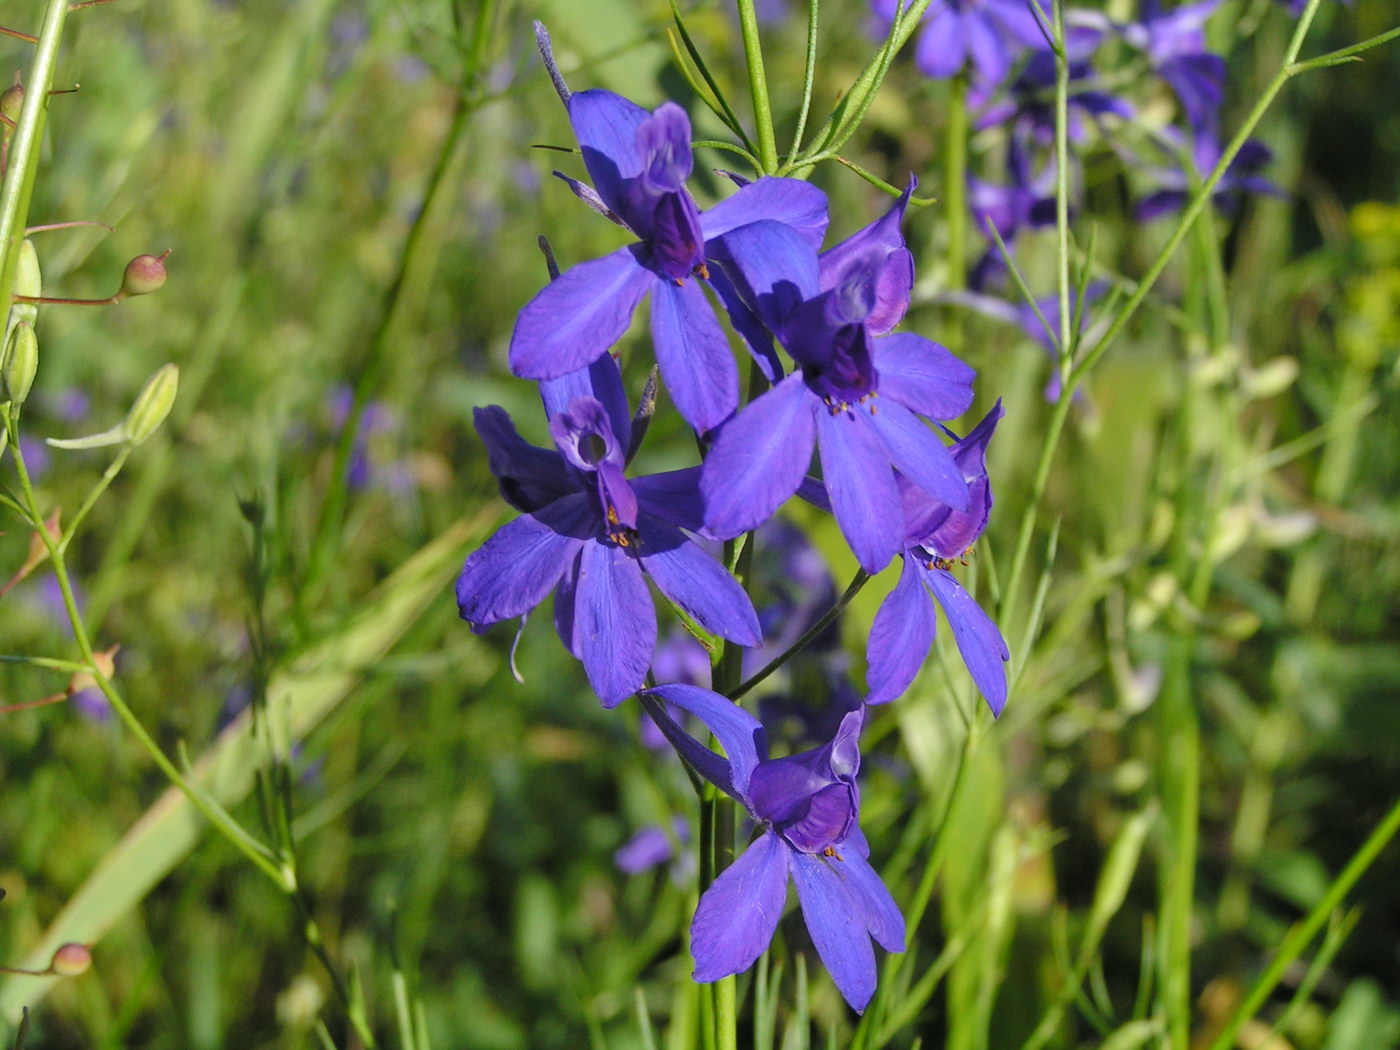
(651, 847)
(986, 35)
(807, 806)
(1026, 200)
(1029, 105)
(1240, 178)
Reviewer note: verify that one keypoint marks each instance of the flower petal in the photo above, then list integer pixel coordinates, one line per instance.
(860, 483)
(917, 452)
(900, 637)
(694, 354)
(773, 267)
(834, 909)
(673, 495)
(577, 317)
(942, 47)
(601, 380)
(896, 272)
(756, 336)
(792, 202)
(758, 459)
(564, 599)
(738, 732)
(605, 125)
(513, 570)
(923, 376)
(882, 916)
(530, 477)
(739, 912)
(697, 583)
(980, 643)
(614, 622)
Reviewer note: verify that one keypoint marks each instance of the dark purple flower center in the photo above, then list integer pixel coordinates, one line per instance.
(585, 438)
(805, 799)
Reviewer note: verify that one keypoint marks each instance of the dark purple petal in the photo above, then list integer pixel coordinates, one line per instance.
(900, 637)
(919, 455)
(738, 732)
(792, 202)
(860, 482)
(513, 570)
(834, 909)
(530, 477)
(739, 912)
(672, 496)
(922, 375)
(564, 599)
(979, 641)
(576, 318)
(758, 459)
(694, 354)
(773, 267)
(882, 915)
(697, 583)
(828, 817)
(614, 622)
(606, 127)
(1159, 203)
(950, 534)
(601, 380)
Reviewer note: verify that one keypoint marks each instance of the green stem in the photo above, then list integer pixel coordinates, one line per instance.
(1062, 284)
(758, 88)
(955, 188)
(221, 821)
(23, 157)
(113, 469)
(1303, 932)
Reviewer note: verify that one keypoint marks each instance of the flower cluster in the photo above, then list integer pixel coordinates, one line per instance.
(843, 388)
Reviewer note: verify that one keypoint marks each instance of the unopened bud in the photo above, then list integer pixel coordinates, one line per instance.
(28, 282)
(71, 959)
(21, 361)
(144, 274)
(11, 102)
(152, 405)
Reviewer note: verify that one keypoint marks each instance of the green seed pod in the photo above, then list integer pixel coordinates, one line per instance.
(21, 361)
(28, 281)
(144, 274)
(152, 405)
(11, 102)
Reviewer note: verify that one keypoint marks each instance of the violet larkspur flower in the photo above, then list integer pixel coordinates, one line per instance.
(855, 397)
(639, 163)
(589, 531)
(988, 35)
(935, 537)
(1240, 178)
(1031, 101)
(1175, 43)
(806, 806)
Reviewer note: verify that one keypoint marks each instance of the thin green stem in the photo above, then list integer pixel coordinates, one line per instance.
(113, 469)
(1303, 932)
(860, 579)
(809, 78)
(758, 88)
(23, 156)
(1062, 283)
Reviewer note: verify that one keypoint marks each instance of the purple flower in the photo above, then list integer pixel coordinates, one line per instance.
(935, 537)
(1240, 178)
(1175, 44)
(806, 807)
(1027, 199)
(857, 398)
(988, 35)
(588, 532)
(1031, 102)
(651, 847)
(639, 163)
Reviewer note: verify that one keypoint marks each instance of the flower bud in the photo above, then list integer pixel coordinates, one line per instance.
(11, 102)
(144, 274)
(28, 281)
(71, 959)
(152, 405)
(20, 362)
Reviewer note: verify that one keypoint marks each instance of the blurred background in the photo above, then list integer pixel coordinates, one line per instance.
(460, 827)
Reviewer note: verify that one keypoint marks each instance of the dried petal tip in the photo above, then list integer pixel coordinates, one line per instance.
(71, 960)
(144, 274)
